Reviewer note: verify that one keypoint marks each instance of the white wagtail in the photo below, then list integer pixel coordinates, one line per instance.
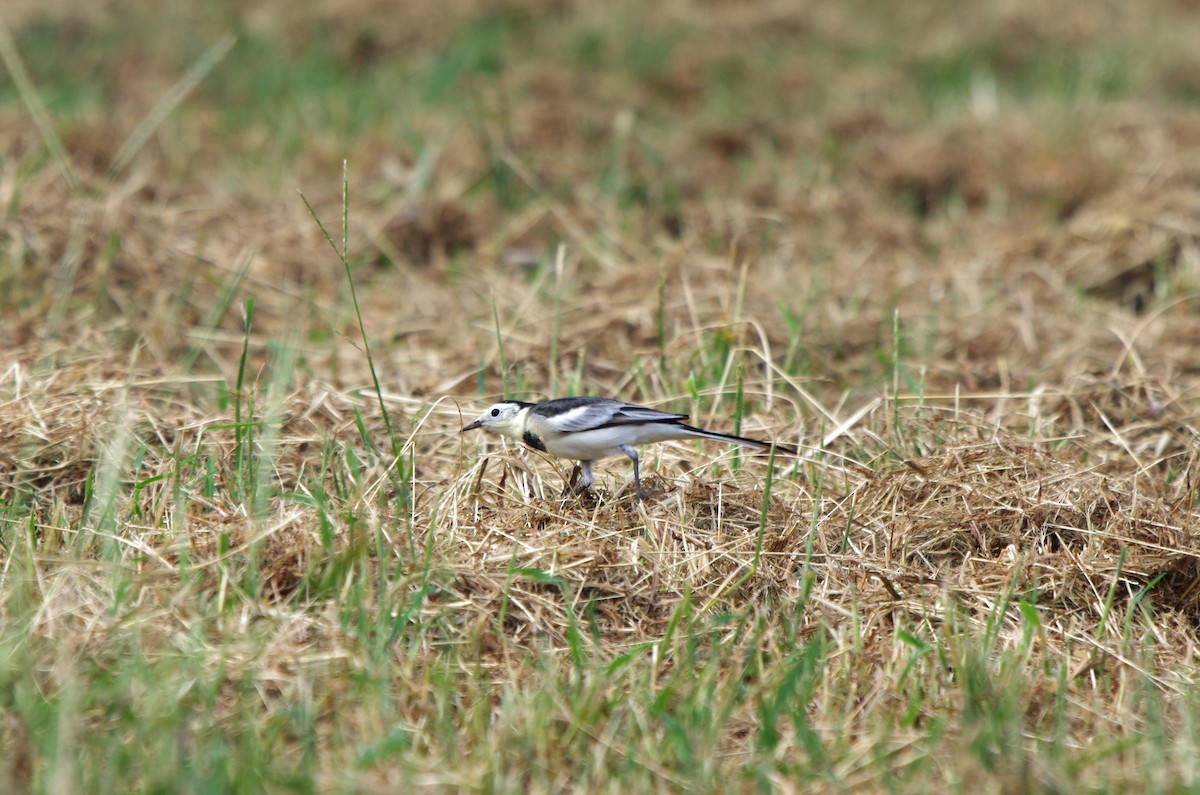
(588, 428)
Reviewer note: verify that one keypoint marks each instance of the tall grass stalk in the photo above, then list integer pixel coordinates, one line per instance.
(225, 298)
(282, 364)
(36, 106)
(500, 348)
(111, 474)
(150, 122)
(555, 317)
(396, 471)
(243, 419)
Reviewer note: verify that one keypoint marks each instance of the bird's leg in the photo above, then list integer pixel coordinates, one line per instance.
(585, 471)
(631, 451)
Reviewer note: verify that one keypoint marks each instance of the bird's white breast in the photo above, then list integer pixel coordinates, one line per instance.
(605, 442)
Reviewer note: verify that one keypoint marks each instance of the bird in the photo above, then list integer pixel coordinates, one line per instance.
(590, 428)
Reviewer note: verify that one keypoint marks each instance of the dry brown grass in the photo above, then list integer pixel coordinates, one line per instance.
(979, 326)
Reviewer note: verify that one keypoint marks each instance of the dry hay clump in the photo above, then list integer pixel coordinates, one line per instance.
(51, 436)
(87, 433)
(1148, 423)
(976, 516)
(1134, 247)
(1007, 163)
(625, 570)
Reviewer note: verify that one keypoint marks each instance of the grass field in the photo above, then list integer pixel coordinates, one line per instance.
(258, 262)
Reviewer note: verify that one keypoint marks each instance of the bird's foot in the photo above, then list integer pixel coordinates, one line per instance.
(573, 488)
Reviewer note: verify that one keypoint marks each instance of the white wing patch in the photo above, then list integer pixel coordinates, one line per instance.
(584, 418)
(606, 414)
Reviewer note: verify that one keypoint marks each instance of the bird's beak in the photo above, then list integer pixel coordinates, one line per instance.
(471, 426)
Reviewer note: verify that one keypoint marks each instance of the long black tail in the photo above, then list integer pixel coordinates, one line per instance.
(729, 438)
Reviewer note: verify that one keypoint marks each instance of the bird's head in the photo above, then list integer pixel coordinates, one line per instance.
(504, 417)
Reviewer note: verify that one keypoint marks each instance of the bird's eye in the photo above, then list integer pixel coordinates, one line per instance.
(495, 412)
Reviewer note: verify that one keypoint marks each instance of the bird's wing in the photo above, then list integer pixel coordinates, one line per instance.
(572, 415)
(629, 413)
